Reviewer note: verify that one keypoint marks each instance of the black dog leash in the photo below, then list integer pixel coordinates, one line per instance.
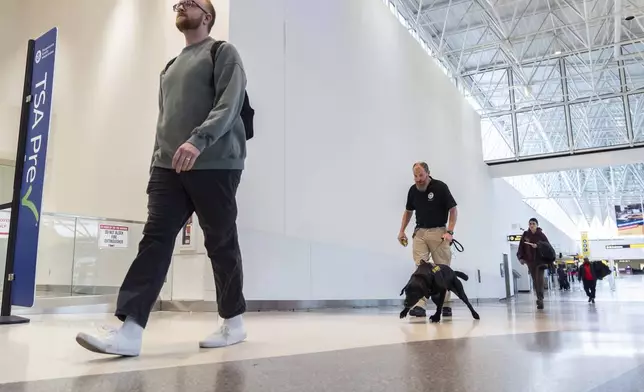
(457, 245)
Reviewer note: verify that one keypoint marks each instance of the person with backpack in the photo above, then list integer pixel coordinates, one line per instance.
(535, 252)
(199, 154)
(588, 276)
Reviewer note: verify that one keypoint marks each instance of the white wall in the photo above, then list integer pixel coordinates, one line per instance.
(12, 67)
(6, 183)
(346, 101)
(110, 53)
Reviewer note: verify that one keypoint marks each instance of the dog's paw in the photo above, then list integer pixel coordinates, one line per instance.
(476, 316)
(404, 313)
(435, 318)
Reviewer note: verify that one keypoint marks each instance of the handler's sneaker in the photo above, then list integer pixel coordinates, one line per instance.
(125, 341)
(417, 311)
(231, 332)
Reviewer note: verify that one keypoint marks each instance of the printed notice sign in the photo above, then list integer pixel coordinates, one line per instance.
(4, 226)
(112, 236)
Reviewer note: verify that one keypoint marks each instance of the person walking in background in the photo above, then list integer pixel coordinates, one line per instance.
(199, 155)
(527, 254)
(589, 279)
(564, 284)
(436, 215)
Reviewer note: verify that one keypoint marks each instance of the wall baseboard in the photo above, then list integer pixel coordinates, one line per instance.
(58, 289)
(93, 304)
(292, 305)
(102, 299)
(85, 304)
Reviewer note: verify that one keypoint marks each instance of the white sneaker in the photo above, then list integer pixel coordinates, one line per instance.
(114, 343)
(231, 332)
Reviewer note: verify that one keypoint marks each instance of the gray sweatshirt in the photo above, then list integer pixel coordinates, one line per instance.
(194, 109)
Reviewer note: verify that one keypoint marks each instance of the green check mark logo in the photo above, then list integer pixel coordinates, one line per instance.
(25, 202)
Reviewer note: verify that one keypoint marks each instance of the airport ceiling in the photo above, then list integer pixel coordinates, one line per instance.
(548, 77)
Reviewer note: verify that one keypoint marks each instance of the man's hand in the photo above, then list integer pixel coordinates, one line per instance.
(448, 237)
(402, 238)
(531, 244)
(185, 157)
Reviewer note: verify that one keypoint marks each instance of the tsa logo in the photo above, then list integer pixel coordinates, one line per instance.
(30, 205)
(430, 196)
(38, 56)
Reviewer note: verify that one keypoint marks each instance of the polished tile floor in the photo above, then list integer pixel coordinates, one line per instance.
(571, 346)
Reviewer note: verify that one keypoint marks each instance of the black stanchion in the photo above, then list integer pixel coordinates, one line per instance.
(5, 311)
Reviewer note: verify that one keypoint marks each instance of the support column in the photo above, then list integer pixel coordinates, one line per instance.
(611, 279)
(566, 100)
(513, 113)
(625, 101)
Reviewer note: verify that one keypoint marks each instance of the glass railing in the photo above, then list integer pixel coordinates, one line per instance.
(80, 256)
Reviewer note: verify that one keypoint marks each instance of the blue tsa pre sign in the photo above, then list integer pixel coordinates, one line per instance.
(33, 174)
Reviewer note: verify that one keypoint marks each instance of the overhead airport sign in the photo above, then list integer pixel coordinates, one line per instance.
(514, 238)
(625, 246)
(585, 244)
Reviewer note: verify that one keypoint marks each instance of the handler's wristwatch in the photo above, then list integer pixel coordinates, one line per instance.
(450, 232)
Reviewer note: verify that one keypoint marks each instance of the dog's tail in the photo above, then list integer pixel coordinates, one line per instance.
(462, 275)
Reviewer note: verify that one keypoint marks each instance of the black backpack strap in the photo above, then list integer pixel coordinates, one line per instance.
(247, 112)
(214, 48)
(168, 65)
(213, 52)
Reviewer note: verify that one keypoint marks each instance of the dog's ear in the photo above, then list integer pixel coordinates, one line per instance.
(404, 313)
(403, 289)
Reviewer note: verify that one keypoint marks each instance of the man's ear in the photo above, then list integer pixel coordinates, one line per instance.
(207, 19)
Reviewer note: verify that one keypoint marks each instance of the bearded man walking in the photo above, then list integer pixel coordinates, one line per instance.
(199, 155)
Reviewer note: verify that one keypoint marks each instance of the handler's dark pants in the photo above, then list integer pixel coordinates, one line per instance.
(172, 199)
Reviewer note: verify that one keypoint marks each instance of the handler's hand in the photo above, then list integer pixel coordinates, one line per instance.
(402, 238)
(185, 157)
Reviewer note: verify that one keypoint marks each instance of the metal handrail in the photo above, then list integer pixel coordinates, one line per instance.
(72, 216)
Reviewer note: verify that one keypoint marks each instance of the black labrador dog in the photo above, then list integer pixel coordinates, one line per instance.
(433, 281)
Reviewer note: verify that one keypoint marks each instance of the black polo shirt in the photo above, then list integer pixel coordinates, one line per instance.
(432, 206)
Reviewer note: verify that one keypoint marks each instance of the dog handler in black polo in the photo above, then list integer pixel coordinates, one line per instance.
(436, 215)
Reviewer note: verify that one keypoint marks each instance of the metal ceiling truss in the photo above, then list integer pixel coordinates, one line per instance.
(548, 77)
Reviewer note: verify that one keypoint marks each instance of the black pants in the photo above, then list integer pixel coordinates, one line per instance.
(589, 288)
(172, 199)
(537, 279)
